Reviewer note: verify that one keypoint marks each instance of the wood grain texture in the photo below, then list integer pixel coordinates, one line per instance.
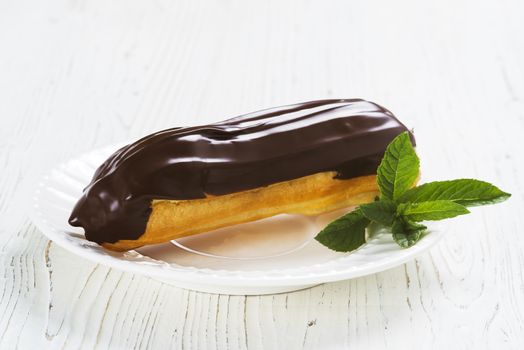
(75, 75)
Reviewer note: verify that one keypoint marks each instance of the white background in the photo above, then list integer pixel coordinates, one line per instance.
(77, 75)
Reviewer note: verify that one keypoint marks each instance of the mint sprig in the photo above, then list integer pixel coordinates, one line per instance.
(401, 206)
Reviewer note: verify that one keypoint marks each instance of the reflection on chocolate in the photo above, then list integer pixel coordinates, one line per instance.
(348, 136)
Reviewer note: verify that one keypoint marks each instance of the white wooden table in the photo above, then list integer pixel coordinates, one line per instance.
(75, 75)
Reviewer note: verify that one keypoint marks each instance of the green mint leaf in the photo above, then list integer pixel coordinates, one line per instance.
(434, 210)
(399, 168)
(345, 233)
(407, 233)
(382, 211)
(468, 192)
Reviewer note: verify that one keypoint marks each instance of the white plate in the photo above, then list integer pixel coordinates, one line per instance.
(269, 256)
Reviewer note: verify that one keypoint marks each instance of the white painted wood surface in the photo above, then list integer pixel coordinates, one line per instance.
(75, 75)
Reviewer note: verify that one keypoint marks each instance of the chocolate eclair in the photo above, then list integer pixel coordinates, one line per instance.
(305, 158)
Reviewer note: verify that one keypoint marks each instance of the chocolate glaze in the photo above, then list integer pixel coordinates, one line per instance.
(348, 136)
